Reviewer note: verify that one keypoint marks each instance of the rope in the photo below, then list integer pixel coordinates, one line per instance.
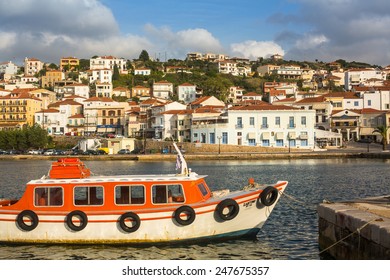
(356, 231)
(299, 209)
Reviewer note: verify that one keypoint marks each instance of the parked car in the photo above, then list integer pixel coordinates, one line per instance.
(35, 152)
(49, 152)
(110, 135)
(124, 152)
(90, 152)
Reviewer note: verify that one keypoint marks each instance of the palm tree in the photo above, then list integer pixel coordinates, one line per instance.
(382, 130)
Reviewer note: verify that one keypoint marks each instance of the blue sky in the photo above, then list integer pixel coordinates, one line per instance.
(298, 29)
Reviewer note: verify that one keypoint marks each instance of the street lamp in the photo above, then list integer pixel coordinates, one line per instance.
(219, 144)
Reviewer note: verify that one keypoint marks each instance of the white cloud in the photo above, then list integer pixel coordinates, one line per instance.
(7, 39)
(178, 44)
(253, 49)
(310, 41)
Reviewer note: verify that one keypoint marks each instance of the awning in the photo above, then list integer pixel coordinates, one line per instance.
(265, 135)
(251, 135)
(292, 135)
(279, 135)
(366, 131)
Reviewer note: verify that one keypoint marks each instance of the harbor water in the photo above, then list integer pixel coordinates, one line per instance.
(291, 232)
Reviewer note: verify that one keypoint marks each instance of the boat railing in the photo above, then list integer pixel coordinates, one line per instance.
(181, 162)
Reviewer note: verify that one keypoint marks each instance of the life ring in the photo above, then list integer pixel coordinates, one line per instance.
(189, 211)
(135, 220)
(29, 215)
(81, 216)
(268, 196)
(232, 207)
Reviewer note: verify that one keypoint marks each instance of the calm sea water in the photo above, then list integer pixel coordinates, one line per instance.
(290, 233)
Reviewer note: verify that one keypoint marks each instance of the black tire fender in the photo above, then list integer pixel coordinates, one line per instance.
(231, 205)
(31, 216)
(135, 220)
(268, 196)
(189, 211)
(81, 216)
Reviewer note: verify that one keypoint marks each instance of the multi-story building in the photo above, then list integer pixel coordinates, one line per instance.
(161, 120)
(32, 66)
(360, 77)
(103, 75)
(51, 77)
(69, 63)
(121, 92)
(267, 69)
(289, 72)
(17, 109)
(258, 125)
(235, 94)
(162, 89)
(141, 92)
(186, 92)
(375, 97)
(228, 67)
(45, 95)
(103, 89)
(108, 62)
(8, 68)
(104, 115)
(80, 90)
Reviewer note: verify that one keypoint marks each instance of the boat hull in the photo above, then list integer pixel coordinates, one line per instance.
(155, 226)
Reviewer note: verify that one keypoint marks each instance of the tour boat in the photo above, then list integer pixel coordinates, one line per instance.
(72, 206)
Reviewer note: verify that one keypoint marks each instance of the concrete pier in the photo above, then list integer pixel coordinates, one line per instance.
(357, 229)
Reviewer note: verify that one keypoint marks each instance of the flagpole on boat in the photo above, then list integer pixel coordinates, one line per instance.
(180, 161)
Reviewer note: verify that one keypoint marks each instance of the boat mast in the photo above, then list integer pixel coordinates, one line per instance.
(180, 161)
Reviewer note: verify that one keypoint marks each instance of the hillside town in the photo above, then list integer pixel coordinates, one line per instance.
(297, 106)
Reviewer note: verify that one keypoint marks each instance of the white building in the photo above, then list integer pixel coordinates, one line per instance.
(259, 125)
(142, 71)
(162, 89)
(374, 97)
(162, 122)
(186, 92)
(8, 68)
(360, 77)
(108, 62)
(235, 94)
(76, 89)
(103, 75)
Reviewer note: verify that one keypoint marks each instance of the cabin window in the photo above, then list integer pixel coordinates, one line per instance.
(167, 194)
(88, 195)
(129, 195)
(48, 196)
(203, 189)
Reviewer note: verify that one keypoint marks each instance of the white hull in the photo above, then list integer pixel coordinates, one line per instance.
(157, 226)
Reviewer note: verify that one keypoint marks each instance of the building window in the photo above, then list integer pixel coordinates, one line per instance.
(264, 122)
(279, 143)
(291, 122)
(224, 137)
(303, 120)
(252, 121)
(356, 103)
(277, 121)
(239, 122)
(369, 102)
(304, 143)
(212, 138)
(265, 142)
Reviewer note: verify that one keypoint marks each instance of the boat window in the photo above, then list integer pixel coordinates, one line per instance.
(203, 189)
(48, 196)
(129, 194)
(168, 194)
(88, 195)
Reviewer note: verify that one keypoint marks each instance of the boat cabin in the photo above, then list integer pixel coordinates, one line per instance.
(70, 185)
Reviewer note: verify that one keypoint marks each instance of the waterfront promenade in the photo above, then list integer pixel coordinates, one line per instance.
(352, 150)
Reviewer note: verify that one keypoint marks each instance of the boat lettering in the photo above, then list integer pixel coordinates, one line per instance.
(249, 203)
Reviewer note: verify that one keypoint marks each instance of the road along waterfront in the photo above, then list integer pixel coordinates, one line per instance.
(290, 233)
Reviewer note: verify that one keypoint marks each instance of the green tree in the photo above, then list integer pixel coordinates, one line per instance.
(382, 130)
(144, 56)
(115, 75)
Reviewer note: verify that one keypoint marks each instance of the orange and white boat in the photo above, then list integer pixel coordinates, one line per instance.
(70, 205)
